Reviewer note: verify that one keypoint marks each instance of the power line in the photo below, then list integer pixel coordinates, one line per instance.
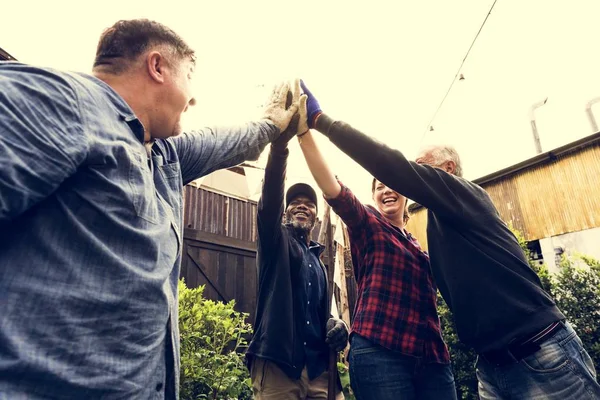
(458, 71)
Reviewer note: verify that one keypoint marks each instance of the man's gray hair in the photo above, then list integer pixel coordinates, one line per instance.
(443, 153)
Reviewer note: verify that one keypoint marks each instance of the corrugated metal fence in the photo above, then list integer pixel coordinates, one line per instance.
(222, 215)
(220, 247)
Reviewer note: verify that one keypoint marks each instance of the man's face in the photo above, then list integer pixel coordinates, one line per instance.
(301, 213)
(389, 202)
(176, 98)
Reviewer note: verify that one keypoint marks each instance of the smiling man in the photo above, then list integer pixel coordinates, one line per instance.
(293, 331)
(93, 169)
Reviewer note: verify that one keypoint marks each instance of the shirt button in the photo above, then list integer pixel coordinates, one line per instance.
(309, 283)
(310, 265)
(308, 302)
(307, 322)
(305, 343)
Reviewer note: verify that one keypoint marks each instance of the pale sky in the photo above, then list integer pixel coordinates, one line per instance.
(382, 66)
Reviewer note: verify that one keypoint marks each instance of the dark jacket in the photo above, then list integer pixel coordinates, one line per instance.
(279, 325)
(476, 260)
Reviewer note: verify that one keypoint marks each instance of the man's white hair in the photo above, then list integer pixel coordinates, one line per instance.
(443, 153)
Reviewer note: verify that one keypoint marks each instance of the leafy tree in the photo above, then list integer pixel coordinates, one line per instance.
(212, 337)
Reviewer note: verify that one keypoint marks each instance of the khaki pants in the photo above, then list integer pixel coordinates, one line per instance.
(271, 383)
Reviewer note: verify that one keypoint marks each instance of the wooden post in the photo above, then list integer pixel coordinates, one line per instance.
(326, 237)
(324, 223)
(340, 259)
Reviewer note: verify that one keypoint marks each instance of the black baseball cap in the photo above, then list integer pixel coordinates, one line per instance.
(300, 189)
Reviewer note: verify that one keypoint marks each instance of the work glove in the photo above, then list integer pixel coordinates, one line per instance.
(302, 126)
(276, 110)
(312, 106)
(293, 128)
(337, 334)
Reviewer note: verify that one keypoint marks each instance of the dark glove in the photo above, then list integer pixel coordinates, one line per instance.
(281, 143)
(312, 106)
(337, 334)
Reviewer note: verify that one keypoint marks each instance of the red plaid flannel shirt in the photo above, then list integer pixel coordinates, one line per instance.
(396, 303)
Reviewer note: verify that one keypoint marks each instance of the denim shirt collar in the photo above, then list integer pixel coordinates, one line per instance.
(121, 107)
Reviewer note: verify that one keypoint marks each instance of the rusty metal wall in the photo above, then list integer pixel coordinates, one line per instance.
(550, 199)
(222, 215)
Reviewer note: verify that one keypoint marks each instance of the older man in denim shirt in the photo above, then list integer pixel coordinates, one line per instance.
(91, 179)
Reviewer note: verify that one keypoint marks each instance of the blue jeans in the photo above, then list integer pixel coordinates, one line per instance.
(382, 374)
(561, 369)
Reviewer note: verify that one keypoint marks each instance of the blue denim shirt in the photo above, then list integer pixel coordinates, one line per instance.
(91, 237)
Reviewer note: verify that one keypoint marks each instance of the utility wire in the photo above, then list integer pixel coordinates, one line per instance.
(457, 72)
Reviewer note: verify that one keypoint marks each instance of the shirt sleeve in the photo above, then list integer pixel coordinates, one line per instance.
(349, 208)
(431, 187)
(271, 203)
(42, 140)
(203, 151)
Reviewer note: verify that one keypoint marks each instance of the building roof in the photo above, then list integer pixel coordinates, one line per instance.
(541, 158)
(5, 56)
(530, 163)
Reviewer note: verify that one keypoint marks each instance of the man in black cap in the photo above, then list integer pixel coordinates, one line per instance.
(293, 330)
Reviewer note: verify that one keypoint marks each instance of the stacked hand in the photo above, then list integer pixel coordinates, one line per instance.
(276, 109)
(294, 113)
(296, 102)
(313, 109)
(337, 334)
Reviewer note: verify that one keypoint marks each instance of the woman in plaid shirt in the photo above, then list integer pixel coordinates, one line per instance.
(397, 350)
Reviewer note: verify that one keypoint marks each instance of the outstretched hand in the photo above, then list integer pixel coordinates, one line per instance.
(277, 111)
(298, 121)
(312, 106)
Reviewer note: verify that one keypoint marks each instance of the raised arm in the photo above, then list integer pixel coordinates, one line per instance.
(271, 203)
(42, 139)
(318, 167)
(429, 186)
(203, 151)
(341, 199)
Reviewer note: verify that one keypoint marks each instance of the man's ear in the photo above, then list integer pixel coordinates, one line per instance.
(450, 167)
(155, 66)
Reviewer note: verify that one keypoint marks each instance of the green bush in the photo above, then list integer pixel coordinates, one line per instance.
(463, 358)
(212, 336)
(576, 290)
(345, 380)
